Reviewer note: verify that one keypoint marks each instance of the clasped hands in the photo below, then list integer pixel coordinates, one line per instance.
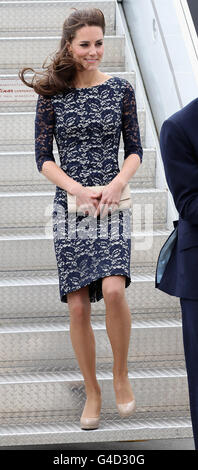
(95, 203)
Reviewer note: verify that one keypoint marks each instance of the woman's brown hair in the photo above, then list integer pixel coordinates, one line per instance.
(60, 73)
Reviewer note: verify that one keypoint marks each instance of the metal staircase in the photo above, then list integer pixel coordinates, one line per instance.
(41, 386)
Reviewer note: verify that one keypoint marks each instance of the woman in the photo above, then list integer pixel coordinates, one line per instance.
(86, 110)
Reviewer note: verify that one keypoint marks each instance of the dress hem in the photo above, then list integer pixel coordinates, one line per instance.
(96, 296)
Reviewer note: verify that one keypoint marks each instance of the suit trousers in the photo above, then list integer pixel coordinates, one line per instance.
(189, 309)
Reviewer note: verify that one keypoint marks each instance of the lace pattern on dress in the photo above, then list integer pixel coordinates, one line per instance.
(130, 126)
(44, 125)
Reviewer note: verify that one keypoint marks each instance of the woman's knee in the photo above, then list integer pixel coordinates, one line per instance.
(113, 288)
(79, 304)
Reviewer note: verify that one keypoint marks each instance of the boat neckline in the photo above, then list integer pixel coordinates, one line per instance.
(94, 86)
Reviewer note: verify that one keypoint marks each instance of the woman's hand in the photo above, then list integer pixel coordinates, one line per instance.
(110, 199)
(87, 199)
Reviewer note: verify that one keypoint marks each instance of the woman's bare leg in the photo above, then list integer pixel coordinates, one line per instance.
(118, 325)
(83, 342)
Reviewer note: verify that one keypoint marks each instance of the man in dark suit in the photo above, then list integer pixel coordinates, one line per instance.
(179, 149)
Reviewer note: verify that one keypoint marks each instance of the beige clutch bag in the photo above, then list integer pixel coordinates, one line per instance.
(125, 200)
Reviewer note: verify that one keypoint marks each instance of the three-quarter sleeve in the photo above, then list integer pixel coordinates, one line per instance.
(44, 125)
(130, 126)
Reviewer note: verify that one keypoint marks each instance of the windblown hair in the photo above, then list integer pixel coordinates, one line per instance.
(60, 74)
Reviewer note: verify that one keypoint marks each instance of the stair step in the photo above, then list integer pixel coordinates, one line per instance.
(28, 344)
(111, 429)
(16, 96)
(34, 208)
(39, 249)
(18, 171)
(110, 68)
(156, 388)
(30, 294)
(26, 18)
(31, 51)
(18, 128)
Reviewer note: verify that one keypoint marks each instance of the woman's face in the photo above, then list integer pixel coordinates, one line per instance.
(88, 46)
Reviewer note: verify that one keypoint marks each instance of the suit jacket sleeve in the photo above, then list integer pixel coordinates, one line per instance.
(181, 169)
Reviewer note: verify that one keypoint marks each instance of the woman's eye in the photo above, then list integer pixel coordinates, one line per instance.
(85, 45)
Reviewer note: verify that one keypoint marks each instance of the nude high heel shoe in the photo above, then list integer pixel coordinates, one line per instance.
(89, 423)
(126, 409)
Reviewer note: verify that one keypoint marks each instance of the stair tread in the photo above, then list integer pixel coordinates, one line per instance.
(31, 152)
(110, 429)
(73, 425)
(35, 35)
(49, 192)
(35, 277)
(31, 233)
(135, 371)
(36, 326)
(32, 112)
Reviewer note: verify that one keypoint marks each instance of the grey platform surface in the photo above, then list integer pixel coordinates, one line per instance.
(151, 444)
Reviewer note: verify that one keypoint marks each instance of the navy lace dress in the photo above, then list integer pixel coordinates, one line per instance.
(87, 124)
